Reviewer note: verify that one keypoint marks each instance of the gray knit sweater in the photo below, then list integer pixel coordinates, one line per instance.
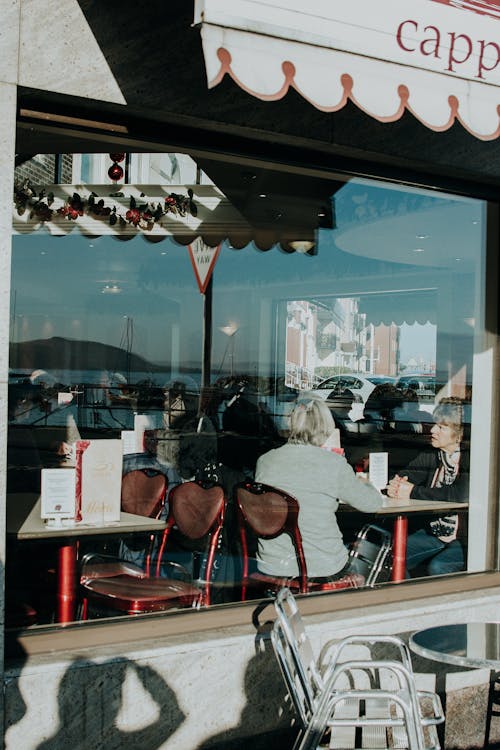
(318, 479)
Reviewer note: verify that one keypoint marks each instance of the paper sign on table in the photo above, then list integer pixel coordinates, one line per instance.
(128, 442)
(58, 494)
(378, 471)
(98, 481)
(142, 422)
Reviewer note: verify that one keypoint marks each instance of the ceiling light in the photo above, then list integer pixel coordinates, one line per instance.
(302, 246)
(262, 195)
(418, 249)
(230, 329)
(422, 236)
(111, 289)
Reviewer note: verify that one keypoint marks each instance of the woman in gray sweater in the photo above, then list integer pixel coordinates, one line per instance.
(319, 478)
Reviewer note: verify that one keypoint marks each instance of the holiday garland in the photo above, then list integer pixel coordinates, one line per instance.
(143, 215)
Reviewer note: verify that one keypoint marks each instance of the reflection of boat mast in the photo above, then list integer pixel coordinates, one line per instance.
(127, 342)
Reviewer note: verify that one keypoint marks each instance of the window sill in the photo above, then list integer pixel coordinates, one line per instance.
(232, 620)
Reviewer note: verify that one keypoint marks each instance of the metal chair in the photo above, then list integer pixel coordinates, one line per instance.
(329, 698)
(370, 552)
(267, 512)
(197, 511)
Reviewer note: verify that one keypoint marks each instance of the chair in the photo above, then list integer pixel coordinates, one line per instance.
(143, 493)
(322, 701)
(369, 554)
(267, 512)
(197, 511)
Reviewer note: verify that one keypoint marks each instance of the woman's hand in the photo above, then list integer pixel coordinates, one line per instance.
(399, 488)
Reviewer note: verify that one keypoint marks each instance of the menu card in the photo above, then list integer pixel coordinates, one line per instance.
(98, 481)
(58, 496)
(378, 471)
(142, 423)
(128, 441)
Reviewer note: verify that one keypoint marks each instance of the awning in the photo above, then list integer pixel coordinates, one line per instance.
(182, 212)
(439, 59)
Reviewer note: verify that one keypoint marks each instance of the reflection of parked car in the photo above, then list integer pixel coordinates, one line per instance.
(423, 385)
(337, 385)
(379, 379)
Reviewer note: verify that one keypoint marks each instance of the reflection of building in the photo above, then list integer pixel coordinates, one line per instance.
(300, 344)
(382, 348)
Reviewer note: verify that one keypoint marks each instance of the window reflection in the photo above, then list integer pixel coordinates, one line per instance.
(376, 318)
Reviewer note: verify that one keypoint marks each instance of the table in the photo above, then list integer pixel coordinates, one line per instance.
(401, 509)
(25, 523)
(473, 644)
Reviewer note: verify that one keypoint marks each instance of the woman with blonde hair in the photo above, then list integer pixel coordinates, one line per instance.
(319, 478)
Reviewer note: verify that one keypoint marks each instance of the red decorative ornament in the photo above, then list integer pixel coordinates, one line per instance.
(115, 172)
(117, 157)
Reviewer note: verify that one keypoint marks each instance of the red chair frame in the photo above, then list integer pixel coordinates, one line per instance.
(254, 500)
(196, 510)
(144, 494)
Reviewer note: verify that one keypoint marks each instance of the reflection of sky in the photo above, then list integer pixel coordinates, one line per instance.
(57, 283)
(417, 342)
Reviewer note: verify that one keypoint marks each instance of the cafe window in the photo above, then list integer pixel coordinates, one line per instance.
(184, 321)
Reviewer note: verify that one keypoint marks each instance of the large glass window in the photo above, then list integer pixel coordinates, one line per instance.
(364, 295)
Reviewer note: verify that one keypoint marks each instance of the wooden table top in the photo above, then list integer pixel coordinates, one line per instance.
(24, 522)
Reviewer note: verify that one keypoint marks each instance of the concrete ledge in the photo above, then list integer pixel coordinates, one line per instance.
(215, 688)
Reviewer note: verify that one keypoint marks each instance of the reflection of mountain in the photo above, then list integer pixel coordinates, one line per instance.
(72, 354)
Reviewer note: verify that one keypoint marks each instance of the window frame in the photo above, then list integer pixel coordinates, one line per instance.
(318, 604)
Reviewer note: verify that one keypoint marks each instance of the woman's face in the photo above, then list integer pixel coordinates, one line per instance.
(444, 437)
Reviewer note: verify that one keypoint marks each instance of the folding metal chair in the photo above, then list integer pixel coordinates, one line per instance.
(370, 552)
(390, 712)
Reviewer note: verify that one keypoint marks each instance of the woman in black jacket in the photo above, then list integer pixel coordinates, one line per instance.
(441, 475)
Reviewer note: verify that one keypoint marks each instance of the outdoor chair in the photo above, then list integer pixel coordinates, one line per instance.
(267, 512)
(372, 700)
(197, 512)
(369, 554)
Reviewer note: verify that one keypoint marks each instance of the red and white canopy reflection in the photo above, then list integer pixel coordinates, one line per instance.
(439, 59)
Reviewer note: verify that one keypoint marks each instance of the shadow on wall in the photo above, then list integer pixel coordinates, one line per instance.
(102, 705)
(267, 718)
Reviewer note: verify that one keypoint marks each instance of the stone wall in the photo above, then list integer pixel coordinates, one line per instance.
(219, 689)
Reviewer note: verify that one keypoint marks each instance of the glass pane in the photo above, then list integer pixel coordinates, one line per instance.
(359, 294)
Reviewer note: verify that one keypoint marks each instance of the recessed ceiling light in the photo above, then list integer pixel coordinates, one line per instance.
(111, 289)
(262, 195)
(418, 249)
(422, 236)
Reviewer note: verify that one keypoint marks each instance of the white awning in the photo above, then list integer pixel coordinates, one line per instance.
(440, 59)
(155, 212)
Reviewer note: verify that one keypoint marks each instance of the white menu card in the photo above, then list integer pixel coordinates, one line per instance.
(98, 481)
(58, 495)
(378, 471)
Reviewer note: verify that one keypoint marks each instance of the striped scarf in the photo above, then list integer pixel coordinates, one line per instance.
(446, 527)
